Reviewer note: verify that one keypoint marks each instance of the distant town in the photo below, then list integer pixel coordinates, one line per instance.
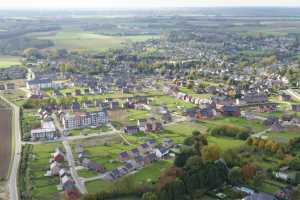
(154, 107)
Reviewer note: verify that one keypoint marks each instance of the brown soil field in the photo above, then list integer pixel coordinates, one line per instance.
(5, 141)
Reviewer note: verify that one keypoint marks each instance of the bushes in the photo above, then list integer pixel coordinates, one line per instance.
(24, 183)
(231, 131)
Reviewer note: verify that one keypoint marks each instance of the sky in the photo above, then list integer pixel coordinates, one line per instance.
(104, 4)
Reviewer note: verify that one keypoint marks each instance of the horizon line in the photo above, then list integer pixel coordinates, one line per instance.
(138, 8)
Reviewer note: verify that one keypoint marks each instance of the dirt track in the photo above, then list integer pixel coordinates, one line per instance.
(5, 141)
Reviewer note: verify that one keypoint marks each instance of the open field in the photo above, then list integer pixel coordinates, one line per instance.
(87, 40)
(42, 187)
(7, 61)
(284, 136)
(256, 126)
(5, 135)
(128, 116)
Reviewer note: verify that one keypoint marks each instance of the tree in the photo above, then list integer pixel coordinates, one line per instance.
(295, 164)
(275, 147)
(261, 144)
(210, 153)
(248, 172)
(232, 158)
(149, 196)
(174, 190)
(296, 193)
(258, 179)
(199, 142)
(250, 141)
(182, 157)
(168, 176)
(235, 176)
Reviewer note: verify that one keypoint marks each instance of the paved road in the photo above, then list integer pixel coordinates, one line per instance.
(13, 178)
(80, 185)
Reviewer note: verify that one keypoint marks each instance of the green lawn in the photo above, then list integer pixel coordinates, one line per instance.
(146, 175)
(225, 143)
(7, 61)
(171, 102)
(284, 136)
(87, 131)
(88, 40)
(86, 173)
(253, 124)
(43, 187)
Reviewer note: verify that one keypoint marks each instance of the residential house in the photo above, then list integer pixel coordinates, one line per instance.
(144, 148)
(270, 120)
(75, 106)
(161, 152)
(113, 105)
(277, 127)
(206, 113)
(150, 158)
(167, 143)
(91, 165)
(58, 155)
(131, 129)
(151, 143)
(152, 125)
(78, 92)
(296, 107)
(141, 124)
(285, 97)
(123, 156)
(55, 167)
(255, 99)
(166, 117)
(272, 107)
(134, 152)
(230, 110)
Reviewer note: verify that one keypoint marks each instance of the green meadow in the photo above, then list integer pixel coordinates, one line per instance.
(89, 41)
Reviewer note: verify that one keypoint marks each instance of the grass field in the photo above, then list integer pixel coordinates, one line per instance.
(43, 187)
(88, 41)
(285, 135)
(256, 126)
(147, 175)
(7, 61)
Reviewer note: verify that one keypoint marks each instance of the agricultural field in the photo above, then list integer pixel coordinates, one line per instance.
(7, 61)
(5, 135)
(87, 40)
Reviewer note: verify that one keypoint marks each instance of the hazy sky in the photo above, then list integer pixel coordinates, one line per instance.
(140, 3)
